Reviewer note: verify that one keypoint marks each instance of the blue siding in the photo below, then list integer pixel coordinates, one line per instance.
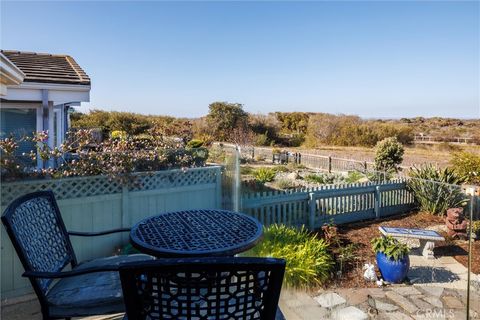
(18, 122)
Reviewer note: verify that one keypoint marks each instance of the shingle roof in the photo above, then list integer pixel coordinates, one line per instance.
(48, 68)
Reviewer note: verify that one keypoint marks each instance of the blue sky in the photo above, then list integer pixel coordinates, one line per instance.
(374, 59)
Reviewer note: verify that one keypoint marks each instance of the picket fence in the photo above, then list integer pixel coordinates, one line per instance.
(345, 203)
(98, 203)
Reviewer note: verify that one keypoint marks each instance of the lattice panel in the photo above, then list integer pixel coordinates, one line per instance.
(203, 295)
(67, 188)
(174, 178)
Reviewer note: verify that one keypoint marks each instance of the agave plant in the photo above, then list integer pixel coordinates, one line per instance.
(264, 174)
(435, 190)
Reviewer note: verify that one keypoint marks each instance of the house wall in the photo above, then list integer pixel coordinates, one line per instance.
(96, 203)
(19, 120)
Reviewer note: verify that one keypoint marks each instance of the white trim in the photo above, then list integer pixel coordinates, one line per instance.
(55, 86)
(10, 73)
(59, 94)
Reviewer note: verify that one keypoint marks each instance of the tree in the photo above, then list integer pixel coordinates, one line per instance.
(388, 155)
(224, 117)
(293, 122)
(266, 129)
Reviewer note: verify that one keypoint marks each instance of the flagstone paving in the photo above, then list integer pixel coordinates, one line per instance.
(423, 304)
(441, 295)
(437, 290)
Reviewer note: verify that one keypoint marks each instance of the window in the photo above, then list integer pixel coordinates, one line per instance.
(19, 122)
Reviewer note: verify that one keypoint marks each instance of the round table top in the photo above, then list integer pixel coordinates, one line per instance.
(196, 233)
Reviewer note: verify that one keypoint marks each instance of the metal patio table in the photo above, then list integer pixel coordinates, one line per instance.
(196, 233)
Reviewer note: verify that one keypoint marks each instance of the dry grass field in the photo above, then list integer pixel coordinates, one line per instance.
(414, 155)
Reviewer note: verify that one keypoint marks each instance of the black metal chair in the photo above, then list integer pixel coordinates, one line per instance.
(36, 229)
(202, 288)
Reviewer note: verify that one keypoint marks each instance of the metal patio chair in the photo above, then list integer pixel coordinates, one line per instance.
(203, 288)
(36, 229)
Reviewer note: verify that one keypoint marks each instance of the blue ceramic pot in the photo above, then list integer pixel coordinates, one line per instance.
(391, 270)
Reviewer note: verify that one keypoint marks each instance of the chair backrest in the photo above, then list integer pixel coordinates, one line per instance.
(203, 288)
(36, 229)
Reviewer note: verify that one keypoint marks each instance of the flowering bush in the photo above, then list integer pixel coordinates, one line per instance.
(80, 155)
(9, 165)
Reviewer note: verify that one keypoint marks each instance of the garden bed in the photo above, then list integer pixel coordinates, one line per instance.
(264, 178)
(361, 234)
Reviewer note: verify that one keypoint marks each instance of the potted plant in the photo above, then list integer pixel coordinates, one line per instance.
(392, 258)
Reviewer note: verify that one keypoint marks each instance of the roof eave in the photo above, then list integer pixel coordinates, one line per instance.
(10, 73)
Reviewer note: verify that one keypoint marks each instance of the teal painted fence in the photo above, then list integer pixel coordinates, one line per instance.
(97, 203)
(340, 203)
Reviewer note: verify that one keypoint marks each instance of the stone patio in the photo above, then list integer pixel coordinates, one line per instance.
(437, 291)
(390, 303)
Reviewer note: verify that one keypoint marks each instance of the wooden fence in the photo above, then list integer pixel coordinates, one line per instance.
(325, 163)
(339, 203)
(98, 203)
(453, 140)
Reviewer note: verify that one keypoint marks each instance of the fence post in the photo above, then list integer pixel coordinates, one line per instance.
(329, 164)
(378, 202)
(125, 214)
(218, 186)
(253, 153)
(313, 207)
(365, 166)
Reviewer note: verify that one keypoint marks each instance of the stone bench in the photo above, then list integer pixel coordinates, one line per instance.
(427, 238)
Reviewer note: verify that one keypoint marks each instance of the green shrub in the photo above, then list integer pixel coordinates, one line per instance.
(246, 170)
(390, 246)
(261, 140)
(195, 143)
(118, 134)
(260, 158)
(388, 155)
(284, 184)
(353, 176)
(143, 137)
(324, 178)
(476, 228)
(282, 168)
(309, 262)
(346, 256)
(295, 166)
(217, 155)
(435, 190)
(467, 165)
(264, 174)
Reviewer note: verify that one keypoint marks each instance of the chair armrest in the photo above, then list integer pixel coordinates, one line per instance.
(99, 233)
(66, 274)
